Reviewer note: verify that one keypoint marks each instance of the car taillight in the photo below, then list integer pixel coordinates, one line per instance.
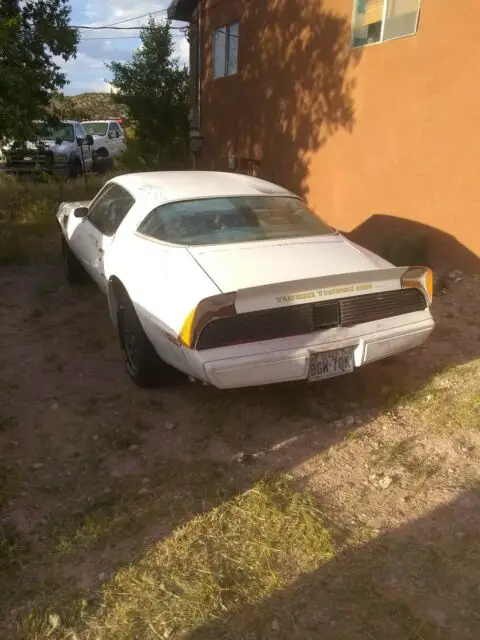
(209, 309)
(419, 278)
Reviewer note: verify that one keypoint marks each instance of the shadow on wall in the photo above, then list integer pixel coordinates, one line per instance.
(419, 581)
(294, 87)
(406, 242)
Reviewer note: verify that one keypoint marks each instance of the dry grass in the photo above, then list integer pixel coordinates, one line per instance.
(27, 214)
(237, 554)
(450, 403)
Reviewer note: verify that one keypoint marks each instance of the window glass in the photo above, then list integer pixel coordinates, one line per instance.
(367, 27)
(380, 20)
(79, 132)
(231, 220)
(111, 207)
(64, 131)
(232, 58)
(114, 129)
(95, 128)
(401, 18)
(220, 52)
(225, 58)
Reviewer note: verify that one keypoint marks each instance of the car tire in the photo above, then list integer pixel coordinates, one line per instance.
(74, 271)
(142, 363)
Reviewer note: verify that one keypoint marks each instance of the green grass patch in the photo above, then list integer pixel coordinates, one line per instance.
(238, 553)
(450, 402)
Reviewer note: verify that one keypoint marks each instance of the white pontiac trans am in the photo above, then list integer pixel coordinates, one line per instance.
(235, 282)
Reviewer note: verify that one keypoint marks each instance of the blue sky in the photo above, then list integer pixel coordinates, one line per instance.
(88, 72)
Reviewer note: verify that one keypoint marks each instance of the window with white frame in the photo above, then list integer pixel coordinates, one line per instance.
(225, 55)
(380, 20)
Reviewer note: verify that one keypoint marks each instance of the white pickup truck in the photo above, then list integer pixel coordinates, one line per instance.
(108, 137)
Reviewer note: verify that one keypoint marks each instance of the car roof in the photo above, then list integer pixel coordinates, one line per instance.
(101, 121)
(185, 185)
(61, 122)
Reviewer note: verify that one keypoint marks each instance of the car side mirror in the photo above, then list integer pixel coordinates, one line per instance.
(89, 140)
(80, 212)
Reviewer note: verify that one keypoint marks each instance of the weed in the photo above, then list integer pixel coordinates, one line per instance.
(7, 422)
(28, 228)
(8, 481)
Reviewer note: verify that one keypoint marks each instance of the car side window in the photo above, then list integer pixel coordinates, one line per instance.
(114, 130)
(79, 132)
(110, 208)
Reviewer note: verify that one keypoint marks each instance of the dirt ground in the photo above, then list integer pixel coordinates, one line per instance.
(392, 453)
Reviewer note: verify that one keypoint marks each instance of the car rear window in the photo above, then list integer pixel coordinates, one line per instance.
(231, 220)
(95, 128)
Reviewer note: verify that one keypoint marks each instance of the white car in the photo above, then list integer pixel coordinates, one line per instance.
(235, 282)
(108, 137)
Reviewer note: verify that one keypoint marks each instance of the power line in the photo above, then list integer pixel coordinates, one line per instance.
(123, 37)
(145, 28)
(113, 24)
(113, 38)
(109, 28)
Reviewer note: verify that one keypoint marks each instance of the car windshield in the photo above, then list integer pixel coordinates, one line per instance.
(63, 131)
(95, 128)
(232, 219)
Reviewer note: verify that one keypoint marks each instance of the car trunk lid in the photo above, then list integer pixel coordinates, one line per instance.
(236, 267)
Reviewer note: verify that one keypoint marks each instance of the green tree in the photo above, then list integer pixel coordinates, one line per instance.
(34, 34)
(155, 89)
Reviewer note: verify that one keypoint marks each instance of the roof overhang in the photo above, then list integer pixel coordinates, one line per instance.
(181, 10)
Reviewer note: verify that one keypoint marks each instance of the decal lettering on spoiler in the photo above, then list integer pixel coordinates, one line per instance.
(320, 293)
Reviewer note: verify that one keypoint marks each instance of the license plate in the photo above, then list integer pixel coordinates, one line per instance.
(330, 364)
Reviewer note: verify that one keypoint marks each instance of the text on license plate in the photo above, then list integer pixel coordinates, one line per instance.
(330, 363)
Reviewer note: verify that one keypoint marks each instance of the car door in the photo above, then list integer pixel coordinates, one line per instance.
(85, 150)
(122, 143)
(114, 139)
(99, 227)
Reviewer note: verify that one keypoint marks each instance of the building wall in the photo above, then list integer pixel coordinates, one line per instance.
(379, 139)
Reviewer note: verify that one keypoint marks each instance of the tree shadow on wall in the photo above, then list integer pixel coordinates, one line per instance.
(294, 87)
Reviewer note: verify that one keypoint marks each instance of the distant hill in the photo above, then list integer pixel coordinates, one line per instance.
(88, 106)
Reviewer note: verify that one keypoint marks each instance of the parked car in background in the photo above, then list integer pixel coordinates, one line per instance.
(108, 137)
(64, 148)
(235, 282)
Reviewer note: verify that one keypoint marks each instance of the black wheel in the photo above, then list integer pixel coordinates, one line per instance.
(74, 271)
(143, 365)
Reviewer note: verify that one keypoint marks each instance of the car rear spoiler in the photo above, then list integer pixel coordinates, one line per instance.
(325, 288)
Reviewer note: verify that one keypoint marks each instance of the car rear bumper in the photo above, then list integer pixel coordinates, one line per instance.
(288, 359)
